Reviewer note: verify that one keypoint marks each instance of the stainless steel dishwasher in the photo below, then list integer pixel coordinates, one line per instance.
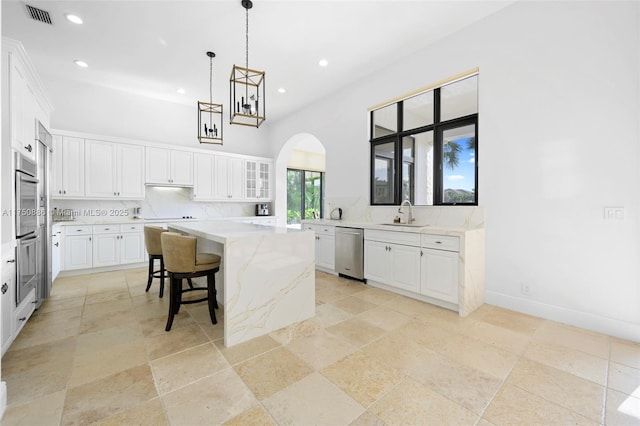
(350, 252)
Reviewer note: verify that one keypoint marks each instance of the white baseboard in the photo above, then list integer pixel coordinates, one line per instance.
(613, 327)
(3, 398)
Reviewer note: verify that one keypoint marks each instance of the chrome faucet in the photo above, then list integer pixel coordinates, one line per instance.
(410, 218)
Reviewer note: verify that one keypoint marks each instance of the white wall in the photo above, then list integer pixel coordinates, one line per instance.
(80, 107)
(558, 141)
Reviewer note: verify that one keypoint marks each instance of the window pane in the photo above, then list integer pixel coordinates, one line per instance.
(459, 165)
(385, 120)
(294, 196)
(408, 143)
(417, 111)
(312, 194)
(383, 174)
(423, 168)
(459, 99)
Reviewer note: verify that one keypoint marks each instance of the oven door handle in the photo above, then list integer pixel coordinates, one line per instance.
(26, 178)
(29, 239)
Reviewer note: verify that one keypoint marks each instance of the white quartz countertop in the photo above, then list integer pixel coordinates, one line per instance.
(414, 228)
(221, 231)
(125, 220)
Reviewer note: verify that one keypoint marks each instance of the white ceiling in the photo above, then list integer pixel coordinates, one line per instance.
(151, 47)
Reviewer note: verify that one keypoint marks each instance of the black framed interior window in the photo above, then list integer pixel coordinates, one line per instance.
(425, 148)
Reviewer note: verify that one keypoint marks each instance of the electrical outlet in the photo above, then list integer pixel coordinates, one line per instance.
(525, 289)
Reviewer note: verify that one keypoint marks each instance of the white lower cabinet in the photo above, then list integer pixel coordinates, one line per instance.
(78, 247)
(397, 265)
(325, 246)
(56, 252)
(422, 264)
(24, 312)
(97, 246)
(8, 301)
(439, 266)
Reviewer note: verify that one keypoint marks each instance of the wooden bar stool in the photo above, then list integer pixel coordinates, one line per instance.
(154, 248)
(182, 261)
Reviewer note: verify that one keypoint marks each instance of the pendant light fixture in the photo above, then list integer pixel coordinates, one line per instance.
(247, 87)
(210, 114)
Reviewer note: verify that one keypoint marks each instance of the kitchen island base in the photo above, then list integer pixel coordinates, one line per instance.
(266, 279)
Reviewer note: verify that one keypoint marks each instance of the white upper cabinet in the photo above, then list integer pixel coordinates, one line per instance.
(68, 167)
(257, 180)
(169, 167)
(203, 178)
(229, 182)
(22, 108)
(114, 170)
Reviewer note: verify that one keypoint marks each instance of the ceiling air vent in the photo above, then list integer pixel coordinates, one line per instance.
(39, 15)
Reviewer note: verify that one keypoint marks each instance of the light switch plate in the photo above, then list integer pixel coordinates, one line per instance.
(614, 213)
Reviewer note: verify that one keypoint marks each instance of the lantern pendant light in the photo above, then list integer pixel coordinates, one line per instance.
(210, 114)
(247, 87)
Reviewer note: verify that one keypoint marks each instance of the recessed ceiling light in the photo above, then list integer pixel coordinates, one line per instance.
(181, 91)
(81, 64)
(74, 18)
(282, 90)
(323, 62)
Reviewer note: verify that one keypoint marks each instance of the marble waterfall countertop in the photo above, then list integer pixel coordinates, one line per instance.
(267, 275)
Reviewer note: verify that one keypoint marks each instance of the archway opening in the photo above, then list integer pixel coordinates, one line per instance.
(299, 180)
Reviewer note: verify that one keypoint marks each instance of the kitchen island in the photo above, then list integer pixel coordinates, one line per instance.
(267, 275)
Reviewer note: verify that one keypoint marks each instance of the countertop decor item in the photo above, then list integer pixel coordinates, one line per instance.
(210, 114)
(247, 87)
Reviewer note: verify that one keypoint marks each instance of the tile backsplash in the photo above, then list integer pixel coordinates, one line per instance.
(159, 202)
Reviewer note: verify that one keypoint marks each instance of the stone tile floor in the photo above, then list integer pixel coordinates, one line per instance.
(97, 353)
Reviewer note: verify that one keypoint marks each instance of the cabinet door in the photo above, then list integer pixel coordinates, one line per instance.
(158, 165)
(203, 178)
(264, 181)
(8, 304)
(375, 261)
(106, 250)
(132, 247)
(236, 181)
(404, 267)
(56, 172)
(130, 171)
(182, 168)
(56, 250)
(100, 174)
(325, 251)
(222, 173)
(77, 252)
(440, 275)
(72, 167)
(251, 179)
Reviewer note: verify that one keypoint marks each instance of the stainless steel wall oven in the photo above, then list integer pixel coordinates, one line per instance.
(27, 230)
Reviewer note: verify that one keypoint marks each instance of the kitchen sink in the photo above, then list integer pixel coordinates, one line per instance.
(412, 225)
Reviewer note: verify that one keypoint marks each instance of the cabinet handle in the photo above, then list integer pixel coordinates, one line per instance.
(438, 242)
(11, 261)
(23, 319)
(421, 253)
(28, 148)
(64, 192)
(35, 302)
(89, 238)
(115, 193)
(4, 288)
(59, 191)
(56, 244)
(106, 229)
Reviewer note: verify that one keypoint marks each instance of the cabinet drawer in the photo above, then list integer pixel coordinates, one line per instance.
(441, 242)
(132, 227)
(78, 230)
(321, 229)
(106, 229)
(24, 311)
(405, 238)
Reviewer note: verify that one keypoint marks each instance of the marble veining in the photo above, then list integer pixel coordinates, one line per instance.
(268, 275)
